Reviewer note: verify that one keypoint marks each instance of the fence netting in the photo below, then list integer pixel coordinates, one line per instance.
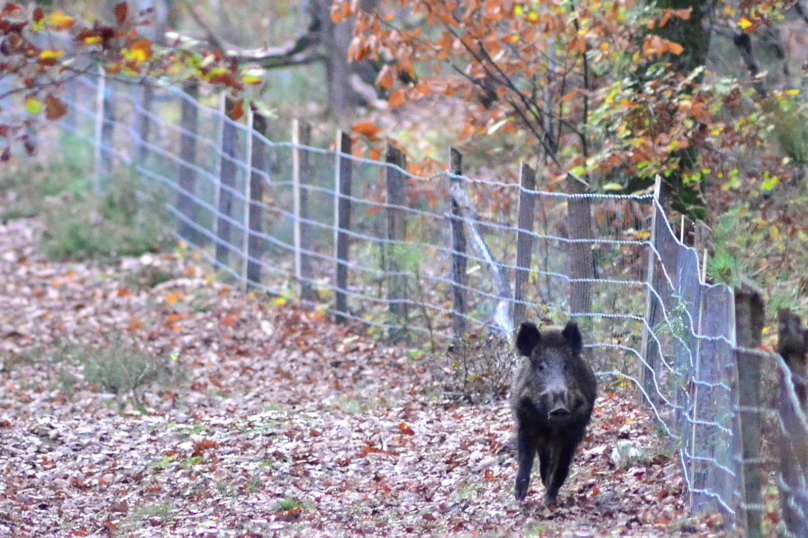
(652, 319)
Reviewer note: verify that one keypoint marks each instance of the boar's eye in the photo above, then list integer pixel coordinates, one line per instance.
(542, 367)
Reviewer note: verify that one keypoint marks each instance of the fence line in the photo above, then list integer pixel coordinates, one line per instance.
(379, 245)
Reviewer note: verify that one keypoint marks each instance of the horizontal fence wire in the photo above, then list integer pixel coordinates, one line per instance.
(653, 320)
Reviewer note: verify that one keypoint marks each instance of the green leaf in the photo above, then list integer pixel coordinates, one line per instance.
(769, 183)
(33, 106)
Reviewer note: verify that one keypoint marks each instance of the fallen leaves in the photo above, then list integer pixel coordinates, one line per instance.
(257, 439)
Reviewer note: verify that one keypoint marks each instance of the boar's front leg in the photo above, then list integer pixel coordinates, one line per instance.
(526, 445)
(560, 468)
(545, 460)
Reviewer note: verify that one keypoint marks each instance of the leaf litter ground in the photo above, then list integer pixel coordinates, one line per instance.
(258, 419)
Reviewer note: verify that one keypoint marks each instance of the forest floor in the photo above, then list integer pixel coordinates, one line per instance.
(142, 397)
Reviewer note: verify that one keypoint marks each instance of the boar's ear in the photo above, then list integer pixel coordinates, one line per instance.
(573, 336)
(527, 338)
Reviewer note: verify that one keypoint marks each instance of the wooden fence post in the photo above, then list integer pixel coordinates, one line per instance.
(653, 310)
(524, 240)
(189, 110)
(144, 123)
(342, 223)
(104, 131)
(458, 253)
(301, 175)
(396, 231)
(749, 316)
(253, 244)
(793, 443)
(582, 263)
(227, 182)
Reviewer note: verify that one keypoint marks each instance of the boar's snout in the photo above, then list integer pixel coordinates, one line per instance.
(557, 404)
(559, 413)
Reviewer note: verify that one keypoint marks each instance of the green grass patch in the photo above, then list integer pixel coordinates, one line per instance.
(129, 219)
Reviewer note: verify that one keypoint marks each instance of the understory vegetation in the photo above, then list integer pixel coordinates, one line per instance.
(82, 221)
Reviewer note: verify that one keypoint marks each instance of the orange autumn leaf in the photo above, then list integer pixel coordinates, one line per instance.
(123, 292)
(228, 321)
(366, 128)
(683, 14)
(173, 297)
(134, 325)
(406, 430)
(386, 78)
(423, 88)
(489, 475)
(397, 98)
(675, 48)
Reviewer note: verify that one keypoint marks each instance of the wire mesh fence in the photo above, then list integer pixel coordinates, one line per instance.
(427, 259)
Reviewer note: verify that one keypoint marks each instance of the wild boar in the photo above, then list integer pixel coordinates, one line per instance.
(552, 397)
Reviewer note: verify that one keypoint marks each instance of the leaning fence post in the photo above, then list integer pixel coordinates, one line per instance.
(792, 406)
(342, 223)
(649, 346)
(253, 243)
(301, 174)
(524, 240)
(397, 235)
(227, 181)
(189, 111)
(748, 328)
(458, 252)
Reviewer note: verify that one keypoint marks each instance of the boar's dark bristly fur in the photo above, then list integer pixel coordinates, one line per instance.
(552, 397)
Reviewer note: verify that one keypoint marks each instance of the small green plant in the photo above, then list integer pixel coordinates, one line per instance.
(726, 264)
(160, 513)
(287, 504)
(164, 462)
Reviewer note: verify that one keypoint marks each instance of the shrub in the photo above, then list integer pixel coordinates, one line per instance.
(120, 367)
(480, 367)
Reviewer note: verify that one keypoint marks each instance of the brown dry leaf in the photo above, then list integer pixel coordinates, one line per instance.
(238, 111)
(121, 12)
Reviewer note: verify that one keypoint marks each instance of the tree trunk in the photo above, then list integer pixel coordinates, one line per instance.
(335, 38)
(690, 33)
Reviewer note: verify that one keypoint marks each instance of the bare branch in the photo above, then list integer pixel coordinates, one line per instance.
(295, 52)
